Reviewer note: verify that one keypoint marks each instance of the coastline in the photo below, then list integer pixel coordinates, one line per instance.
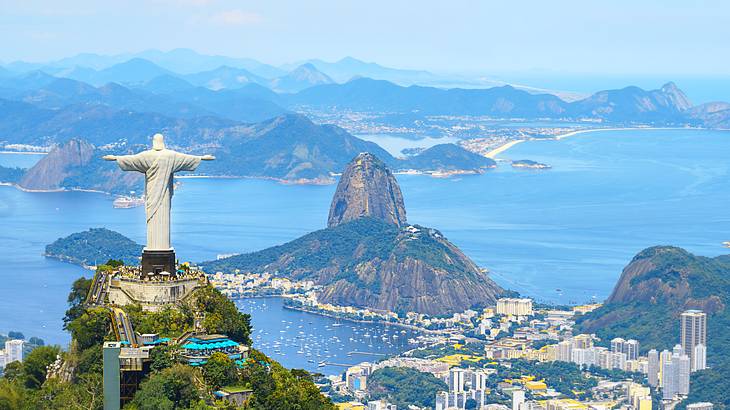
(24, 152)
(20, 188)
(372, 322)
(504, 147)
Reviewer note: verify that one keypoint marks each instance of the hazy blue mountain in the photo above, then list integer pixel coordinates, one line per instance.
(186, 61)
(250, 103)
(165, 94)
(91, 60)
(134, 71)
(448, 157)
(289, 147)
(165, 84)
(303, 77)
(225, 77)
(26, 81)
(714, 114)
(348, 68)
(28, 124)
(668, 105)
(365, 94)
(634, 104)
(77, 164)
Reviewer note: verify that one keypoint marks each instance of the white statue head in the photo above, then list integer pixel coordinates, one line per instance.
(158, 142)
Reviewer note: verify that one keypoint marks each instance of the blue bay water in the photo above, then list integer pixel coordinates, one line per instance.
(573, 228)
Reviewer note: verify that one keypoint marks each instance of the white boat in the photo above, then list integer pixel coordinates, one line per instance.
(132, 201)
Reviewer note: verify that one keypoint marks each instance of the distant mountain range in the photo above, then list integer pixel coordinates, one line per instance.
(242, 96)
(288, 148)
(667, 105)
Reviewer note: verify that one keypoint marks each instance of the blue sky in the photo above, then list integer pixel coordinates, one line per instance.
(608, 37)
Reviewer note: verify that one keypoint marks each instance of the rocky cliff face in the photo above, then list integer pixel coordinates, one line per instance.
(78, 165)
(50, 171)
(367, 188)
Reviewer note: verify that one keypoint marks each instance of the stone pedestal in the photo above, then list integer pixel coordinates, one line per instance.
(157, 261)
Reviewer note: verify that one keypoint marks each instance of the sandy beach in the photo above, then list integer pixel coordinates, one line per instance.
(502, 148)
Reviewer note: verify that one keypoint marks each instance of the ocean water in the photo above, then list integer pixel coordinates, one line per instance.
(302, 340)
(560, 235)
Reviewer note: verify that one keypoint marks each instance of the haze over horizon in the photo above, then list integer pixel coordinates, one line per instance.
(677, 39)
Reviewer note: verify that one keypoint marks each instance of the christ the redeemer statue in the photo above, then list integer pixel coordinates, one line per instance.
(158, 165)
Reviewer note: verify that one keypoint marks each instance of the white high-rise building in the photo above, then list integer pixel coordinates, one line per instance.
(669, 381)
(693, 331)
(664, 357)
(675, 374)
(457, 378)
(479, 380)
(699, 357)
(617, 345)
(565, 349)
(514, 307)
(380, 405)
(442, 400)
(653, 368)
(631, 348)
(584, 357)
(14, 351)
(683, 369)
(3, 359)
(700, 406)
(518, 398)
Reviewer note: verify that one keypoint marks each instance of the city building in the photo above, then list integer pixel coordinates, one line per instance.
(675, 373)
(693, 332)
(518, 398)
(653, 370)
(457, 378)
(664, 357)
(617, 345)
(699, 357)
(14, 351)
(3, 359)
(700, 406)
(514, 307)
(479, 380)
(629, 347)
(639, 396)
(380, 405)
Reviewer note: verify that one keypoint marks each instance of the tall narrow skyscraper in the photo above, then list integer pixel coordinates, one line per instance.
(699, 357)
(693, 332)
(653, 368)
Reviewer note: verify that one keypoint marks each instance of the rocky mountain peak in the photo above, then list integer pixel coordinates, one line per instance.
(367, 188)
(676, 96)
(54, 167)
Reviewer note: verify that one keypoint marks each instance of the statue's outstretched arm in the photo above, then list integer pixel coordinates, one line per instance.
(136, 162)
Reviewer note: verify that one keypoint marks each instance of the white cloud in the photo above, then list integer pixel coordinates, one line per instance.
(236, 18)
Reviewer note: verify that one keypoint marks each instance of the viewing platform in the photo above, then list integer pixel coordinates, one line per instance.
(129, 285)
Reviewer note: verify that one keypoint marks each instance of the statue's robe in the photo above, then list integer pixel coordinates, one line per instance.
(159, 168)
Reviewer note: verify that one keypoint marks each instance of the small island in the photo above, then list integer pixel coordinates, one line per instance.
(526, 163)
(92, 247)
